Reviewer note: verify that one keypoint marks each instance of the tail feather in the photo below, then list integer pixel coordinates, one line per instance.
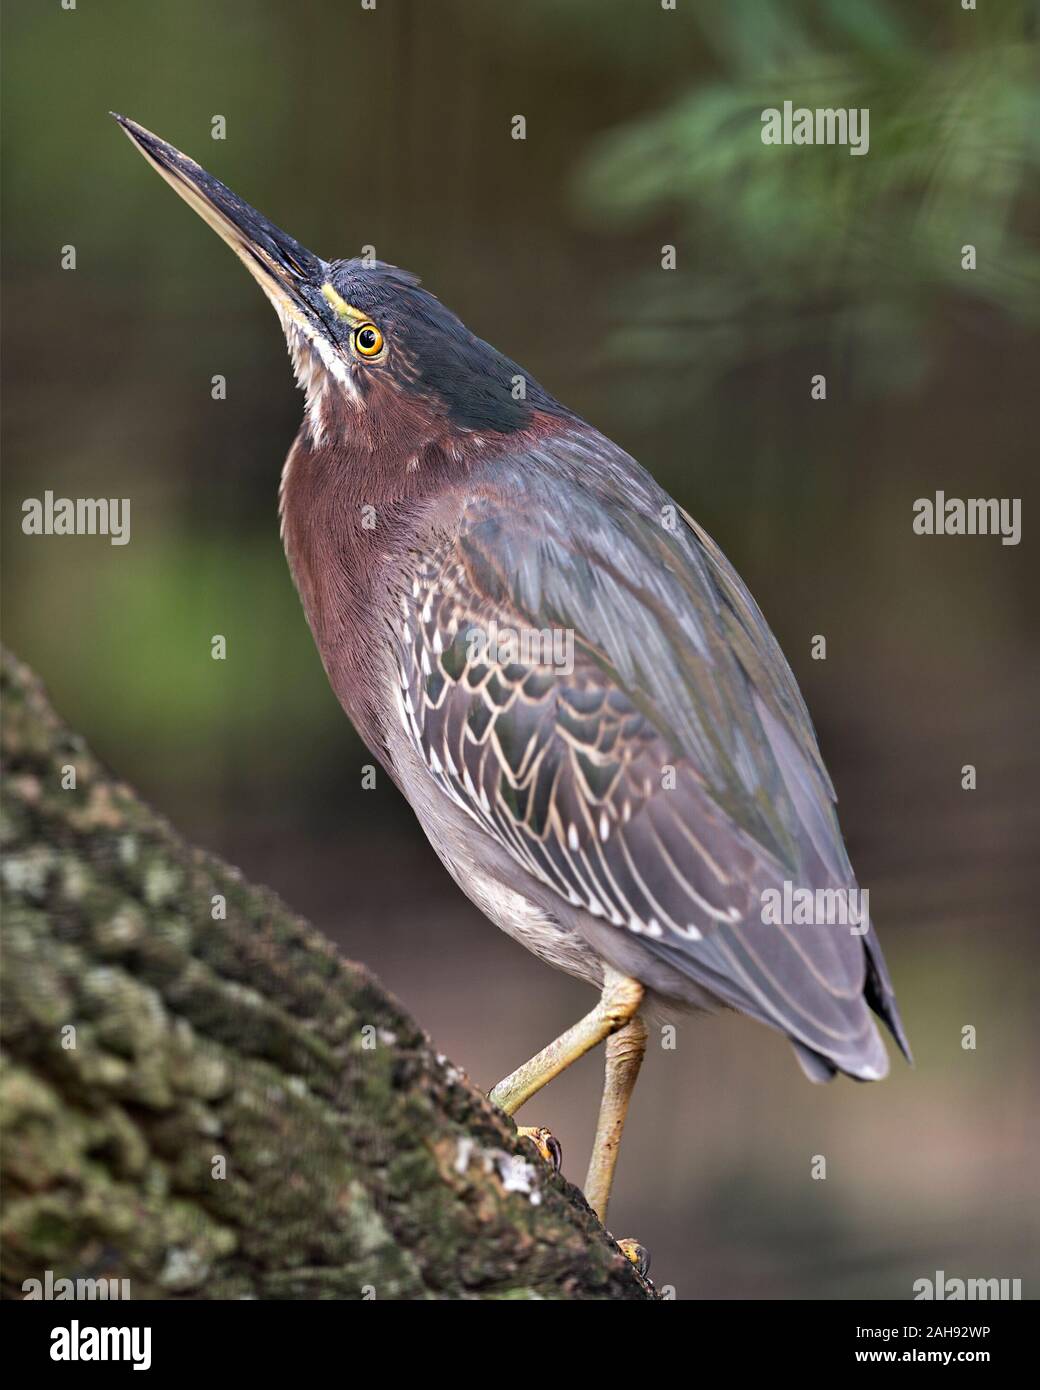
(879, 994)
(815, 1066)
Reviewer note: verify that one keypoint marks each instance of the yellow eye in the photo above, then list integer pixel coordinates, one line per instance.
(368, 340)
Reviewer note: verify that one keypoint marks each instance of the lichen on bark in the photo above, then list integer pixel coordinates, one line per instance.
(221, 1106)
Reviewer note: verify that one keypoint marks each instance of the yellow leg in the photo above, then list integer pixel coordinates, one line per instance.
(618, 1003)
(625, 1050)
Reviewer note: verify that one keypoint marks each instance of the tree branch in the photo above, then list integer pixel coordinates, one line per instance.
(222, 1107)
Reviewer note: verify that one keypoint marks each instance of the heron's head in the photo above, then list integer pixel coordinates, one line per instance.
(376, 354)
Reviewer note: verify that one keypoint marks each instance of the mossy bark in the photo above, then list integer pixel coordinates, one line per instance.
(219, 1106)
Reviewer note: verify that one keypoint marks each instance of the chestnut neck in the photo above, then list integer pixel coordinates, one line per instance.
(351, 506)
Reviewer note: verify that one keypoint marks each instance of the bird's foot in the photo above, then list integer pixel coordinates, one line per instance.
(545, 1142)
(638, 1254)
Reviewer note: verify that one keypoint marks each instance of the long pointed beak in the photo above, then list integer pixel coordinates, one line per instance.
(289, 274)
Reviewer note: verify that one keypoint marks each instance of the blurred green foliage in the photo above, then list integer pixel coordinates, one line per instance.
(812, 244)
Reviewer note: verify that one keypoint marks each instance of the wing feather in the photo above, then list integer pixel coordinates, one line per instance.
(665, 776)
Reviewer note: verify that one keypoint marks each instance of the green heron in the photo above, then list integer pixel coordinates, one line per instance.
(562, 673)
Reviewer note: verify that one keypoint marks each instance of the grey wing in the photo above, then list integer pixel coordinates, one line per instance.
(655, 810)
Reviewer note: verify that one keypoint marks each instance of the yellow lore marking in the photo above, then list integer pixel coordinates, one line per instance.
(340, 305)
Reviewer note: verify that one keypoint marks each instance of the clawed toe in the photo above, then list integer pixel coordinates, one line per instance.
(545, 1142)
(638, 1254)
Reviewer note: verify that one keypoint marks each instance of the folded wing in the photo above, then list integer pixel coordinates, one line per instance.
(603, 696)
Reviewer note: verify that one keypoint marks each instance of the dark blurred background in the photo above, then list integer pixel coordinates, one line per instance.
(392, 128)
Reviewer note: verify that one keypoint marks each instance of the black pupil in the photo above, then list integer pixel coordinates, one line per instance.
(367, 338)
